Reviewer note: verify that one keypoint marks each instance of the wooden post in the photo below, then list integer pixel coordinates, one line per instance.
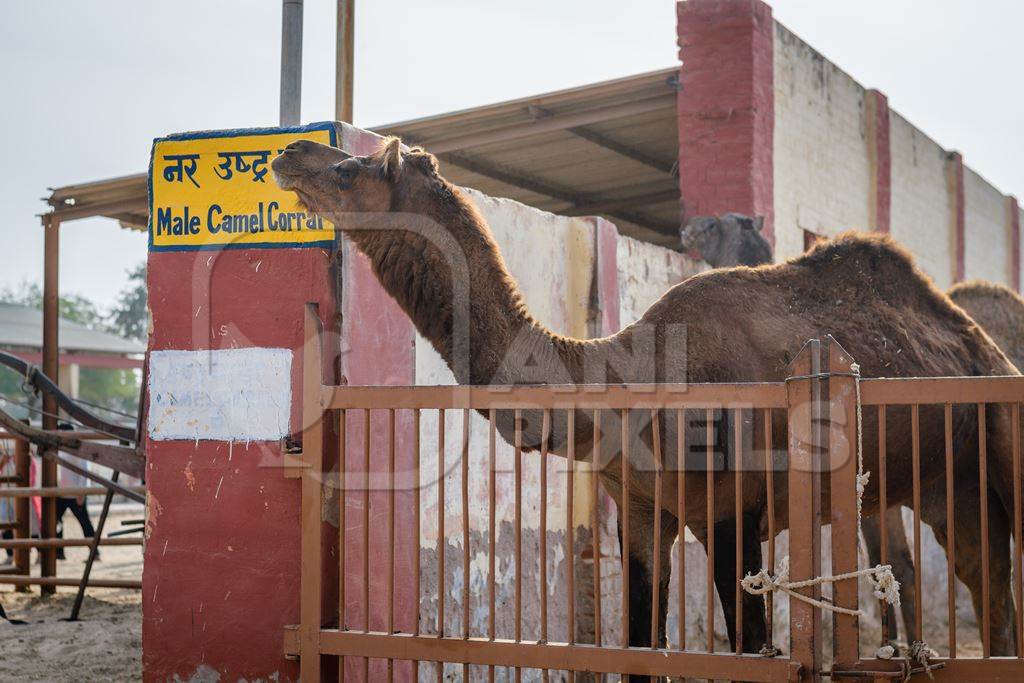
(51, 368)
(344, 61)
(842, 452)
(804, 408)
(22, 509)
(311, 587)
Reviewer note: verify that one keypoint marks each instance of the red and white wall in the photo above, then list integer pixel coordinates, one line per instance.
(769, 126)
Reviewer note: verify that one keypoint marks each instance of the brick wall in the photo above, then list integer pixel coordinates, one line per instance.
(987, 235)
(769, 126)
(821, 155)
(920, 198)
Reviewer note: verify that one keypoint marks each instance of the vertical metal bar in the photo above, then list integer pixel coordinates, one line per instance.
(738, 495)
(465, 533)
(366, 534)
(709, 481)
(769, 486)
(842, 467)
(681, 514)
(94, 547)
(344, 60)
(951, 550)
(342, 504)
(51, 368)
(389, 619)
(442, 541)
(656, 583)
(544, 437)
(915, 429)
(883, 508)
(491, 530)
(595, 523)
(804, 491)
(417, 484)
(1015, 436)
(570, 576)
(291, 62)
(986, 635)
(311, 586)
(624, 473)
(517, 468)
(22, 465)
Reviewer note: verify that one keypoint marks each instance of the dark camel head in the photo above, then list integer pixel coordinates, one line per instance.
(331, 182)
(729, 240)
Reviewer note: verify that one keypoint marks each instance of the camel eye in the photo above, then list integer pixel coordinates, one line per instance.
(345, 174)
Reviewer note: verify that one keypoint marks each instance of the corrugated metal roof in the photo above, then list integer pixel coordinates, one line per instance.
(605, 149)
(21, 327)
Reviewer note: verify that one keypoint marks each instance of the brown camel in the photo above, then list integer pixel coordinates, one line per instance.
(434, 253)
(735, 240)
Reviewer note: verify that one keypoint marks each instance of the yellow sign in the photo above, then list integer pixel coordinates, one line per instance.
(215, 190)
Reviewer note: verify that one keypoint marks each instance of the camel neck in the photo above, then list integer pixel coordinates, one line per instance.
(440, 262)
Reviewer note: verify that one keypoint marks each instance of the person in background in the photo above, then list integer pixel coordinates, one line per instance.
(75, 504)
(6, 505)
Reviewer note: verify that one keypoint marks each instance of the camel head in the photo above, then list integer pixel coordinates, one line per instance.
(721, 241)
(331, 182)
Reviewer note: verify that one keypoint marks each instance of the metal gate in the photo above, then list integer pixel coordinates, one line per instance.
(821, 408)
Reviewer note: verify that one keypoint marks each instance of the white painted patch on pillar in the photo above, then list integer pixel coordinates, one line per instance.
(227, 394)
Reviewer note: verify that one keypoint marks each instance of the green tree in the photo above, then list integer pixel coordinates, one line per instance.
(114, 388)
(128, 317)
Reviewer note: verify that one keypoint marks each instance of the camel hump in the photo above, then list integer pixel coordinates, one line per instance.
(870, 253)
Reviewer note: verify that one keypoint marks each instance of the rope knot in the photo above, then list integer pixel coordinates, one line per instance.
(885, 585)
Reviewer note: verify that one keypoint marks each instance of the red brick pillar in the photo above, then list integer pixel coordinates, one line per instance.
(726, 108)
(222, 560)
(955, 181)
(876, 113)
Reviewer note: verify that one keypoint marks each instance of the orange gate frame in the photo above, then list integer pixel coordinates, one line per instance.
(820, 371)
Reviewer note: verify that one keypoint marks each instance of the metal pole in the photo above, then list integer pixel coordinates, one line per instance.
(344, 61)
(51, 368)
(93, 551)
(291, 62)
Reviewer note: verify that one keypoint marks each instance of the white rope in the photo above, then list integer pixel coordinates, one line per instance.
(885, 585)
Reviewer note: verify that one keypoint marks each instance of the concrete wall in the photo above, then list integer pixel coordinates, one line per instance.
(821, 157)
(922, 213)
(987, 253)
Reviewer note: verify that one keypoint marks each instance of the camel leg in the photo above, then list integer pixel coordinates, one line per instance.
(967, 559)
(901, 559)
(755, 629)
(641, 577)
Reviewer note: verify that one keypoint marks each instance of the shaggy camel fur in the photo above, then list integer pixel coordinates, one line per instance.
(434, 253)
(735, 240)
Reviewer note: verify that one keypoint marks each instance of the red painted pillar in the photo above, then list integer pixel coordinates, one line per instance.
(726, 108)
(880, 159)
(222, 559)
(955, 179)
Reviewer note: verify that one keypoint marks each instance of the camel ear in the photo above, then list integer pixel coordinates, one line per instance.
(391, 158)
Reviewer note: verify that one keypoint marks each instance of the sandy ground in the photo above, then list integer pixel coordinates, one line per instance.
(104, 645)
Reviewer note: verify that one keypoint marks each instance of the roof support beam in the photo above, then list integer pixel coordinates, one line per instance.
(622, 203)
(548, 189)
(548, 124)
(621, 149)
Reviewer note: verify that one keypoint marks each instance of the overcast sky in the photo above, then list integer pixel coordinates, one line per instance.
(88, 85)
